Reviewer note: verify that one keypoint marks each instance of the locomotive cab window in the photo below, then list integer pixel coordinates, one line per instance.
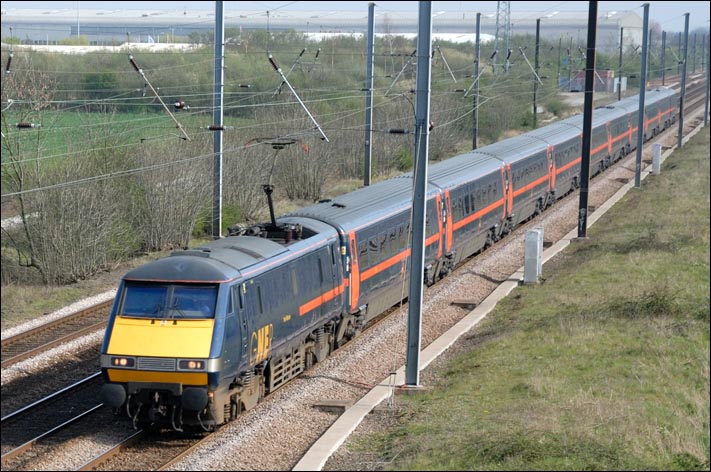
(167, 301)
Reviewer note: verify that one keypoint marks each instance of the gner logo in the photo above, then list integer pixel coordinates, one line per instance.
(261, 343)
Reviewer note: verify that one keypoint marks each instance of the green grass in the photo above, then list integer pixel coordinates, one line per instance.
(63, 132)
(605, 366)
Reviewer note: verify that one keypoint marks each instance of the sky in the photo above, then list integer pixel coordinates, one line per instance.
(668, 14)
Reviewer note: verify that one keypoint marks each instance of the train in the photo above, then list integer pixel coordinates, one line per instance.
(197, 337)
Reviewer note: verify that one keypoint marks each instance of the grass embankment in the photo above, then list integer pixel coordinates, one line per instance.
(604, 366)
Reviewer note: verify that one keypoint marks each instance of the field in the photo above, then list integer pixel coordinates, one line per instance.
(68, 131)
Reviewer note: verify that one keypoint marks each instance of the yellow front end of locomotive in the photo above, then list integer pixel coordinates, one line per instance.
(160, 339)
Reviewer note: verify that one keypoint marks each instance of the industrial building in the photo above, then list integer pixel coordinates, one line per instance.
(112, 27)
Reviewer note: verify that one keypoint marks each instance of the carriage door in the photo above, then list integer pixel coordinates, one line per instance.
(447, 217)
(241, 319)
(231, 342)
(551, 169)
(336, 277)
(253, 309)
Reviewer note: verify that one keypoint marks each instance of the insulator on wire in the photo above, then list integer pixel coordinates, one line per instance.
(459, 90)
(24, 124)
(494, 54)
(399, 131)
(317, 53)
(216, 128)
(245, 85)
(431, 125)
(9, 62)
(133, 63)
(180, 105)
(302, 52)
(273, 63)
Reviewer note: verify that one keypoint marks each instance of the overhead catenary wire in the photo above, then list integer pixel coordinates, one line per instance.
(278, 69)
(281, 85)
(140, 71)
(476, 79)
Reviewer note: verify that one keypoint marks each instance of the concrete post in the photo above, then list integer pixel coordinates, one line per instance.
(533, 256)
(656, 158)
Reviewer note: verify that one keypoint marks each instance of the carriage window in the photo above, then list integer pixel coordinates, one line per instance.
(230, 306)
(259, 298)
(294, 280)
(392, 242)
(373, 250)
(363, 254)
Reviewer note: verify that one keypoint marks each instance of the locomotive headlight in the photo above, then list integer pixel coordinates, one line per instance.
(124, 362)
(191, 364)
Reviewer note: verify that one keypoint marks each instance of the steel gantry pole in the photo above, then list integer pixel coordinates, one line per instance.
(642, 90)
(369, 96)
(477, 59)
(683, 82)
(708, 77)
(664, 56)
(619, 67)
(536, 67)
(217, 114)
(587, 121)
(419, 204)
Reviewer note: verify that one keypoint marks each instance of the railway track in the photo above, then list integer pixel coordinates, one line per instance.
(54, 333)
(26, 427)
(144, 450)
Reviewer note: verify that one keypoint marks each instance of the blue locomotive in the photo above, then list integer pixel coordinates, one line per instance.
(199, 336)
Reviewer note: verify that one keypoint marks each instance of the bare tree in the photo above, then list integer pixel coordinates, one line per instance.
(20, 168)
(170, 198)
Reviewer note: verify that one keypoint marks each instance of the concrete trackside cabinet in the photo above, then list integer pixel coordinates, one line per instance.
(533, 256)
(656, 158)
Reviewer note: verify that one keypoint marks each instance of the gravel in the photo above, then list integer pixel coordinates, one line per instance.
(50, 358)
